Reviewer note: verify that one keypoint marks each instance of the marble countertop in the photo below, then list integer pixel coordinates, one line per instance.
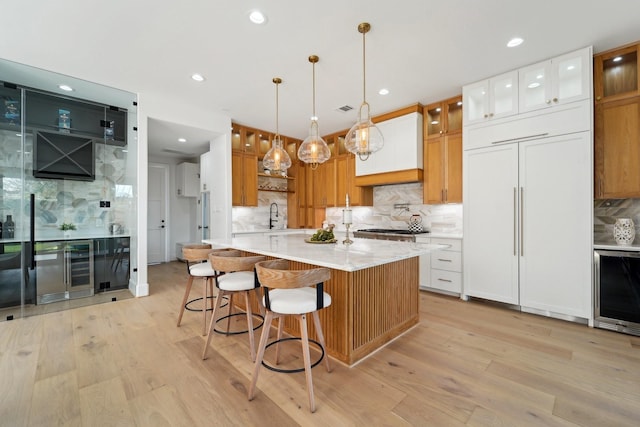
(615, 247)
(53, 235)
(363, 253)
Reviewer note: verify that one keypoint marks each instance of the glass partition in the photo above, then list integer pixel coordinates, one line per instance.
(67, 191)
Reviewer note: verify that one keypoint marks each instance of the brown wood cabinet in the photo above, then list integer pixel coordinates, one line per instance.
(443, 152)
(617, 123)
(617, 149)
(244, 183)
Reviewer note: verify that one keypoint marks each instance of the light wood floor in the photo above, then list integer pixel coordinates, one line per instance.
(126, 363)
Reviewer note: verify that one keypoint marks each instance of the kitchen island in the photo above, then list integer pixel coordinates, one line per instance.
(374, 286)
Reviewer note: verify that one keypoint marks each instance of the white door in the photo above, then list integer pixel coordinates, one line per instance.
(157, 214)
(491, 223)
(556, 258)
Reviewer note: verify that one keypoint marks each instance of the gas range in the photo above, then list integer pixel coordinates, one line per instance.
(388, 234)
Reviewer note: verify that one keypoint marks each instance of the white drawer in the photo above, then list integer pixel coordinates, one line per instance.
(455, 244)
(446, 280)
(446, 260)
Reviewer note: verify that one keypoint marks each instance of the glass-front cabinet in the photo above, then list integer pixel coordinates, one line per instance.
(560, 80)
(491, 99)
(67, 189)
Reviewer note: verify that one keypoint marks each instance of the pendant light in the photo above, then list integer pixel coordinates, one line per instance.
(364, 137)
(314, 150)
(277, 159)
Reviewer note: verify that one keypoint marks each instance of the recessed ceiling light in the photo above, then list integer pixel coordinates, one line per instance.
(66, 87)
(182, 140)
(459, 103)
(383, 91)
(197, 77)
(257, 17)
(434, 122)
(516, 41)
(617, 59)
(438, 110)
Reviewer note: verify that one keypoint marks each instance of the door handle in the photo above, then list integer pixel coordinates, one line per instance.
(515, 219)
(199, 227)
(521, 221)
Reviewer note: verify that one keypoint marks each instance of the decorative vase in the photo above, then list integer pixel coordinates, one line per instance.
(624, 231)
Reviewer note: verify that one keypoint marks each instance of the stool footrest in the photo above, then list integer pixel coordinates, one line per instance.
(238, 332)
(186, 306)
(293, 371)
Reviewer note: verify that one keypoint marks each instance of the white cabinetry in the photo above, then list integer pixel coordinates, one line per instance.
(205, 164)
(187, 180)
(441, 271)
(527, 224)
(402, 148)
(490, 99)
(559, 80)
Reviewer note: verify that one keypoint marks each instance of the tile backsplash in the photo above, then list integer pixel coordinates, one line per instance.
(384, 213)
(605, 213)
(257, 218)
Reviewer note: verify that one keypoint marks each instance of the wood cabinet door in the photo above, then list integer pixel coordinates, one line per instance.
(453, 168)
(250, 178)
(434, 182)
(617, 149)
(236, 179)
(342, 180)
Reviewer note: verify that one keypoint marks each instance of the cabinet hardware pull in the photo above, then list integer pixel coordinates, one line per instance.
(444, 280)
(555, 99)
(548, 101)
(486, 115)
(521, 221)
(490, 114)
(444, 260)
(446, 194)
(520, 138)
(515, 220)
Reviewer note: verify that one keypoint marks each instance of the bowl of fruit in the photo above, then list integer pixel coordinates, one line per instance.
(323, 235)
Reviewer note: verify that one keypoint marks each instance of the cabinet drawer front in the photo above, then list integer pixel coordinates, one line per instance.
(446, 280)
(444, 260)
(455, 244)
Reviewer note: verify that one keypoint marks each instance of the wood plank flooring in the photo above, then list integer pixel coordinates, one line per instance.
(464, 364)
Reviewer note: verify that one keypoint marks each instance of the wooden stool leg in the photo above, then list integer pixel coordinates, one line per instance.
(230, 312)
(307, 360)
(279, 337)
(187, 291)
(212, 324)
(205, 286)
(264, 337)
(316, 322)
(250, 327)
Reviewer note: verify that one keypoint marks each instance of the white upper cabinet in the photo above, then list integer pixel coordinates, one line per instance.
(491, 99)
(187, 181)
(205, 164)
(556, 81)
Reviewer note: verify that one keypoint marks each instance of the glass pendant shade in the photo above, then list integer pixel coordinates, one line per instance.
(277, 159)
(364, 138)
(314, 150)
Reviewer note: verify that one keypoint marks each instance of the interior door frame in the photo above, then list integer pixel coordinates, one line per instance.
(167, 212)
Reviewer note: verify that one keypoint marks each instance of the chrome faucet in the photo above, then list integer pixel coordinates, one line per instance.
(271, 212)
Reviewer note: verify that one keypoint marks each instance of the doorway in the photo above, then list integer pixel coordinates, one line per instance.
(157, 213)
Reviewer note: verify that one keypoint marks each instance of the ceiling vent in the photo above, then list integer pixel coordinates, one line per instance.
(168, 150)
(345, 108)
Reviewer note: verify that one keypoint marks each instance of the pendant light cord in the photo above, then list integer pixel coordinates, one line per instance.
(364, 71)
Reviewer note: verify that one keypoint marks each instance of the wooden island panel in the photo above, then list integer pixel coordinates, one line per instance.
(369, 308)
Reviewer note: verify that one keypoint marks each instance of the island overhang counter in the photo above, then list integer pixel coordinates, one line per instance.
(374, 286)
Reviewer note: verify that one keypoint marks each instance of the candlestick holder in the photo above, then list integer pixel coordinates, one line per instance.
(347, 241)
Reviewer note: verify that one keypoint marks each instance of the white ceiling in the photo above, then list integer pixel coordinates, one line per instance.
(421, 50)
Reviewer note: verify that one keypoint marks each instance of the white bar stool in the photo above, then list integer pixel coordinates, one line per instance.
(292, 293)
